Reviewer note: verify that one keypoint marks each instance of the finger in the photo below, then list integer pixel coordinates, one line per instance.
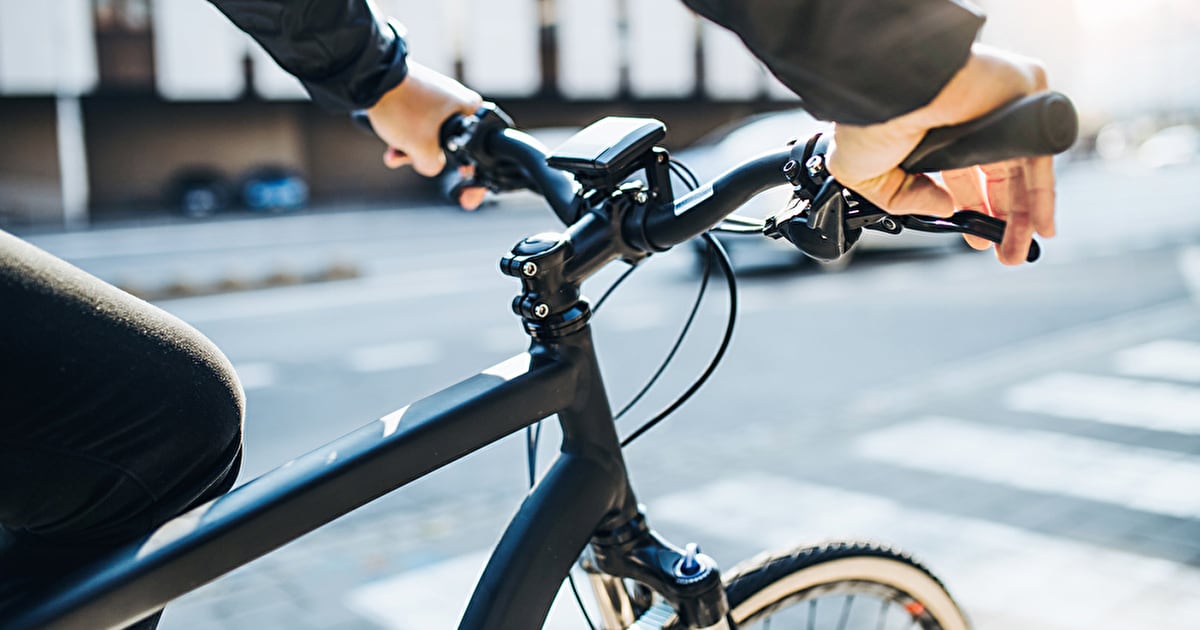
(919, 194)
(1017, 236)
(429, 163)
(471, 198)
(1040, 181)
(966, 187)
(395, 158)
(1010, 199)
(999, 184)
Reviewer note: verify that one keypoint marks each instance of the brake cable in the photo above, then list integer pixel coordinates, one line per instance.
(687, 325)
(717, 252)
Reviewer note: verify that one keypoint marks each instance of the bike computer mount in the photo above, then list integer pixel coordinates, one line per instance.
(607, 152)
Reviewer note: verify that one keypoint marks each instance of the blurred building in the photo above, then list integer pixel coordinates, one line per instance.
(104, 102)
(1115, 59)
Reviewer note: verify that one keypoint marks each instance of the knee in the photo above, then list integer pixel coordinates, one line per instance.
(205, 408)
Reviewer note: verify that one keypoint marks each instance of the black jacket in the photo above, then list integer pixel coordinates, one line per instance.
(853, 61)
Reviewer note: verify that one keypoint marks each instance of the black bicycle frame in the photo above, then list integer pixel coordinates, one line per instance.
(585, 491)
(585, 496)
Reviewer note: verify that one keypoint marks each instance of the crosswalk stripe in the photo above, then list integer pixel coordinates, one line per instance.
(1003, 577)
(1111, 400)
(258, 375)
(1189, 267)
(1139, 478)
(393, 356)
(1169, 359)
(435, 596)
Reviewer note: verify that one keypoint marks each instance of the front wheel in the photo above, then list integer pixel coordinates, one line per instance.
(840, 586)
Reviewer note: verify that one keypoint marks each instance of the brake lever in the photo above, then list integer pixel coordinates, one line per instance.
(966, 222)
(970, 222)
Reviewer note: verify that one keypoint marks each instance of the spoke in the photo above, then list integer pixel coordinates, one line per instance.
(846, 612)
(812, 614)
(883, 610)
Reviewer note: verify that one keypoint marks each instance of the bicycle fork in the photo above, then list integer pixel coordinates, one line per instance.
(688, 580)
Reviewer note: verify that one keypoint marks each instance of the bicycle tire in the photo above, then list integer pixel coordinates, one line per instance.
(763, 587)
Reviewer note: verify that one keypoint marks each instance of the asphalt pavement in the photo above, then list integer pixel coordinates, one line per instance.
(1033, 434)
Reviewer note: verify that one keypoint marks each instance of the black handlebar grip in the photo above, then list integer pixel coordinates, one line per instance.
(1040, 124)
(451, 127)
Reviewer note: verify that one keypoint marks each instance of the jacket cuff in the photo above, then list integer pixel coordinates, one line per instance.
(381, 66)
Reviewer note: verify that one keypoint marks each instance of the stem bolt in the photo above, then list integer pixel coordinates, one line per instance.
(541, 310)
(530, 269)
(815, 165)
(690, 565)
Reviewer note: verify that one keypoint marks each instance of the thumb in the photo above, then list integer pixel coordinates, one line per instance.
(901, 193)
(429, 162)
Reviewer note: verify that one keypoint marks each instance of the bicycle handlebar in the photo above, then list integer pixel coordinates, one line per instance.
(486, 142)
(700, 209)
(507, 159)
(1039, 124)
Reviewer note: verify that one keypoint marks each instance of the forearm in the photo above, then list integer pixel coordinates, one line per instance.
(344, 54)
(854, 61)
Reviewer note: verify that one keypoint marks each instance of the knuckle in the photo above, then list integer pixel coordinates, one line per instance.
(1037, 71)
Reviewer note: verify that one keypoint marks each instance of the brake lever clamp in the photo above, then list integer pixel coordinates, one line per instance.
(824, 219)
(463, 138)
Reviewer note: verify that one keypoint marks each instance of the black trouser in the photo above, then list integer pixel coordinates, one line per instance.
(114, 417)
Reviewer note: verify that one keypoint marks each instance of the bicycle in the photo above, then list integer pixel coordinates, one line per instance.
(584, 508)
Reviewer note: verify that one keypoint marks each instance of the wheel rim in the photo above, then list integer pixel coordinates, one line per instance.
(851, 605)
(879, 593)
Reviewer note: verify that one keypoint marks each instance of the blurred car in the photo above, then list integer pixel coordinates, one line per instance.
(1172, 146)
(199, 191)
(274, 189)
(733, 143)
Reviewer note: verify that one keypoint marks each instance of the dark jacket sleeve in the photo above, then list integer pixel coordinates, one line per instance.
(854, 61)
(346, 56)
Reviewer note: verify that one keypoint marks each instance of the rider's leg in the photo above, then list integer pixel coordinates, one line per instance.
(114, 417)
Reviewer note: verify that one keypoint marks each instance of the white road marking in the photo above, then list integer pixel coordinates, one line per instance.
(322, 296)
(1169, 359)
(436, 596)
(980, 373)
(257, 375)
(1139, 478)
(394, 356)
(1003, 577)
(1189, 266)
(1111, 400)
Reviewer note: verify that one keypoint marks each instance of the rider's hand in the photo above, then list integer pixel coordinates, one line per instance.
(408, 119)
(867, 159)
